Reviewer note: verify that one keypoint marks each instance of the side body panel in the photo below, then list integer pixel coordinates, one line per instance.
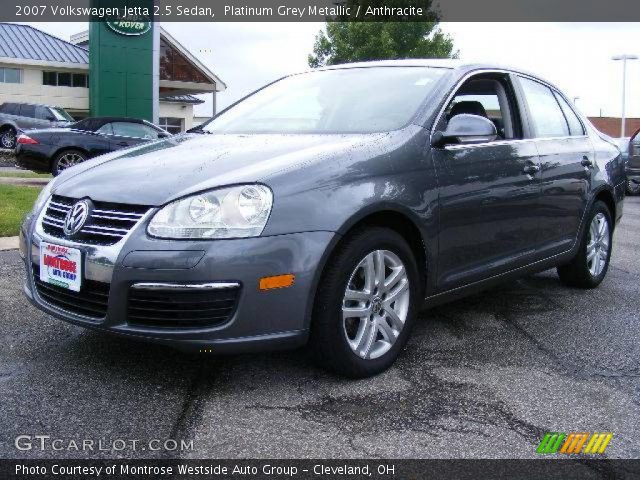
(566, 186)
(489, 210)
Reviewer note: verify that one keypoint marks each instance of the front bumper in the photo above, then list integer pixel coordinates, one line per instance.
(277, 318)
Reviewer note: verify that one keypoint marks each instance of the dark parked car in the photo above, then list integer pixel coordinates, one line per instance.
(329, 207)
(633, 164)
(20, 116)
(56, 149)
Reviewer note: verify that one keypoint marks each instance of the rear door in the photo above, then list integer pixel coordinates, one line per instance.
(566, 159)
(27, 117)
(489, 192)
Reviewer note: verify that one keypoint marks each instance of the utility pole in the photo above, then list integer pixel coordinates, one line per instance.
(624, 59)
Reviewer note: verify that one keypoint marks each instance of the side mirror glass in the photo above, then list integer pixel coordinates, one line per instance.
(465, 129)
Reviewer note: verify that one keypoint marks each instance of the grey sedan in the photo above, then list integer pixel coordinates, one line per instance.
(327, 208)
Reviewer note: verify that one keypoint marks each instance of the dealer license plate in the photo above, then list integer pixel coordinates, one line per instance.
(61, 266)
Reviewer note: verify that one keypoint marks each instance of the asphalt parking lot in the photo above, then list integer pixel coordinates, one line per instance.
(485, 377)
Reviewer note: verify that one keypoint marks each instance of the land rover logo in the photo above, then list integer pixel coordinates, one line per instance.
(130, 27)
(76, 218)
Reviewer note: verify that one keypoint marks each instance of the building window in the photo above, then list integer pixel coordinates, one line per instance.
(10, 75)
(65, 79)
(171, 125)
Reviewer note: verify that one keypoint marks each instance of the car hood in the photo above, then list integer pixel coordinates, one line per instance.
(156, 173)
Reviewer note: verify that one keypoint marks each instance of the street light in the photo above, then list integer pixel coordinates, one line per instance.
(624, 59)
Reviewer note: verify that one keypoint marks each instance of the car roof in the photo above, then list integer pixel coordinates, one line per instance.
(32, 104)
(461, 66)
(94, 123)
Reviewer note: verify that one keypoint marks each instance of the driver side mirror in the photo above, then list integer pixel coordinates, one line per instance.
(465, 129)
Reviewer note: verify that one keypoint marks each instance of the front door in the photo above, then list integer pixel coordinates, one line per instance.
(489, 192)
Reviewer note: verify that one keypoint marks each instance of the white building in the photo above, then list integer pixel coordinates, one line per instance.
(36, 67)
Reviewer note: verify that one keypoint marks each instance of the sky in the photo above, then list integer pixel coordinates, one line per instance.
(576, 57)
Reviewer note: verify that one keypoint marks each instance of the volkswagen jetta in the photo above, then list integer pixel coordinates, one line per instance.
(329, 207)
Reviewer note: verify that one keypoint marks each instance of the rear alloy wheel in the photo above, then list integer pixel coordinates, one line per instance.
(65, 160)
(590, 265)
(366, 303)
(8, 138)
(633, 188)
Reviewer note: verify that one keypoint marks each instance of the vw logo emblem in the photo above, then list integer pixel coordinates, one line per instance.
(76, 218)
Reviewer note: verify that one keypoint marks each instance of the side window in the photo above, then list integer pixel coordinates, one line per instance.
(106, 129)
(575, 126)
(28, 111)
(11, 109)
(547, 117)
(490, 97)
(43, 113)
(134, 130)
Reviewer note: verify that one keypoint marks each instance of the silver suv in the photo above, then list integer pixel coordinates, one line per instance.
(22, 116)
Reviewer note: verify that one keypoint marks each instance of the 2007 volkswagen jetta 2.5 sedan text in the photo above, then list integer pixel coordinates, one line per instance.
(327, 208)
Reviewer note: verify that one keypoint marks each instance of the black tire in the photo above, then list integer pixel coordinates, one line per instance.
(8, 138)
(56, 165)
(328, 339)
(576, 273)
(633, 188)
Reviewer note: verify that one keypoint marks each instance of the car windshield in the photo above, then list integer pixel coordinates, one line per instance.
(356, 100)
(61, 114)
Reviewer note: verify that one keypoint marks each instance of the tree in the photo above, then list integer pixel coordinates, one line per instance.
(346, 42)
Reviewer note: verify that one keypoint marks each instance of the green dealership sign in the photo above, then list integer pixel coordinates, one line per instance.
(124, 64)
(130, 27)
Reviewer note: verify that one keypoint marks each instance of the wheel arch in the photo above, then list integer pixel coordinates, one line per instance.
(606, 196)
(388, 216)
(7, 126)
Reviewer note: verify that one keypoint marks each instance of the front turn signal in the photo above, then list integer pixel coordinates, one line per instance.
(279, 281)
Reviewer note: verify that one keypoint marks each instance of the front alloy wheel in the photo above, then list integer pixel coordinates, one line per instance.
(366, 303)
(375, 304)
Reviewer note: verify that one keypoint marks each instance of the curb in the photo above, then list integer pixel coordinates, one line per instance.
(9, 243)
(30, 182)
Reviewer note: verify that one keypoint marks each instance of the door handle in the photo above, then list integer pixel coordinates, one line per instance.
(586, 162)
(123, 144)
(531, 169)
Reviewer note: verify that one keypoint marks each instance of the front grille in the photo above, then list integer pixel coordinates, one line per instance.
(107, 224)
(181, 309)
(90, 301)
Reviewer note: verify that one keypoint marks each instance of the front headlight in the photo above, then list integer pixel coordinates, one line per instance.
(234, 212)
(44, 195)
